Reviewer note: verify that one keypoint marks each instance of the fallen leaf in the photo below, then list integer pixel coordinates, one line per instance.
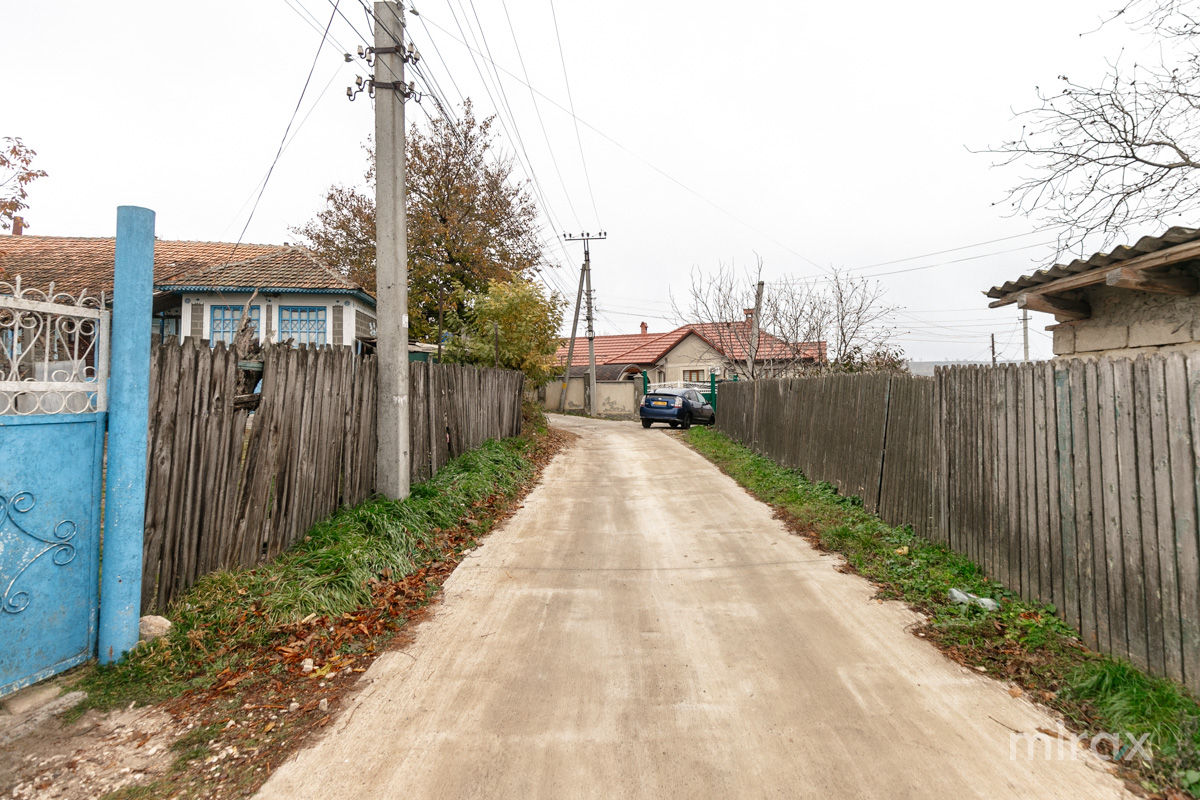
(901, 551)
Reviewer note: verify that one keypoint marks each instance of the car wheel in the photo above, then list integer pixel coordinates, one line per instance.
(713, 421)
(687, 422)
(646, 423)
(673, 424)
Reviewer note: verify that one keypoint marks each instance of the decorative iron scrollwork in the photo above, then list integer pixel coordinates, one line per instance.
(53, 351)
(14, 602)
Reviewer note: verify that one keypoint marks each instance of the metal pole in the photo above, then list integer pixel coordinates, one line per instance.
(562, 395)
(496, 344)
(128, 421)
(391, 270)
(591, 333)
(993, 349)
(1025, 331)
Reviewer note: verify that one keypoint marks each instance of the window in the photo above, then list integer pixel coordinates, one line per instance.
(302, 324)
(693, 375)
(165, 325)
(224, 321)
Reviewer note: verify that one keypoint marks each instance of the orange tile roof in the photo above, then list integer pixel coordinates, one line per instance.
(75, 264)
(724, 337)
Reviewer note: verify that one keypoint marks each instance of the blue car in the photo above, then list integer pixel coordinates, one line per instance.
(679, 408)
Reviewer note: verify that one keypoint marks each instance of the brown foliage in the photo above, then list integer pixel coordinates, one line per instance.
(16, 172)
(468, 224)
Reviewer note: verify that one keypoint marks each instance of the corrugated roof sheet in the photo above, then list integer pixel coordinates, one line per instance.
(1147, 244)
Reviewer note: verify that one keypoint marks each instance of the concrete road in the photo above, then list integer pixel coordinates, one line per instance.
(644, 628)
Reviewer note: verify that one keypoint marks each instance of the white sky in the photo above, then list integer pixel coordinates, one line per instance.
(815, 134)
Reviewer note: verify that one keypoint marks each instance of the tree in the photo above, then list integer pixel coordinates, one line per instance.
(517, 316)
(845, 313)
(16, 172)
(1104, 160)
(468, 222)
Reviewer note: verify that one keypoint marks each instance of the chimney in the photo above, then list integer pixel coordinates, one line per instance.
(645, 328)
(749, 312)
(18, 226)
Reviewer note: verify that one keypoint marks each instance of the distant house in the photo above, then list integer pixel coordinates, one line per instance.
(201, 288)
(689, 353)
(1133, 300)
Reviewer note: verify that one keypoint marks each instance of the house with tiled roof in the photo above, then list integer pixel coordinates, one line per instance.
(201, 288)
(691, 353)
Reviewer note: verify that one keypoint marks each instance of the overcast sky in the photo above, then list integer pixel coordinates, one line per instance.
(815, 134)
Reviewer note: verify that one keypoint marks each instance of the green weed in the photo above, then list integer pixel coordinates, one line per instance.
(229, 616)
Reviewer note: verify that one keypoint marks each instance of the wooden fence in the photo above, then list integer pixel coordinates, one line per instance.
(231, 488)
(1072, 483)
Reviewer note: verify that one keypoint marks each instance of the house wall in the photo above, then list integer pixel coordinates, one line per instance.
(1129, 323)
(693, 353)
(344, 316)
(614, 399)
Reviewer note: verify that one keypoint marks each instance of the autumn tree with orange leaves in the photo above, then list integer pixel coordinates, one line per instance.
(469, 224)
(16, 172)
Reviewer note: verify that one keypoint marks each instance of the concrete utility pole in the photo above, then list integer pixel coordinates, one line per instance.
(591, 330)
(562, 395)
(752, 350)
(1025, 331)
(391, 271)
(993, 349)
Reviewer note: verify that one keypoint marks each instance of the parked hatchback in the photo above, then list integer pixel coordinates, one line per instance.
(679, 408)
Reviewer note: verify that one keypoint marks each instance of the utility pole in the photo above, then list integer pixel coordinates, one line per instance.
(562, 395)
(752, 350)
(993, 349)
(586, 238)
(392, 461)
(1025, 331)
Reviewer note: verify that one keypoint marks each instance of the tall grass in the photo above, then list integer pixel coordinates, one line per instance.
(228, 618)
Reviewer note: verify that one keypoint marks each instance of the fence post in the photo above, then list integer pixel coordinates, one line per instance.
(129, 401)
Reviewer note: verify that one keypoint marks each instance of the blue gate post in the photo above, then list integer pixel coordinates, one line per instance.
(128, 419)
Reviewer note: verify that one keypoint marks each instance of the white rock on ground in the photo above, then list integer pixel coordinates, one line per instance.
(151, 627)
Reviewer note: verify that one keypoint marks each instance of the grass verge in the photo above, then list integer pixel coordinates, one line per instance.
(1022, 642)
(257, 658)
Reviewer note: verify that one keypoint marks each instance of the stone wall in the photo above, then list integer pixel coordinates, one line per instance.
(614, 399)
(1131, 323)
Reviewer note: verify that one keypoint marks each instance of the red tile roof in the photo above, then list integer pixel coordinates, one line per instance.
(75, 264)
(727, 338)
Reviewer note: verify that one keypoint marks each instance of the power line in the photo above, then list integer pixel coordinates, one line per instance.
(286, 130)
(635, 155)
(570, 100)
(537, 109)
(948, 250)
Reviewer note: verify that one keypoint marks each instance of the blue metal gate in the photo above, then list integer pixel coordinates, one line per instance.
(53, 408)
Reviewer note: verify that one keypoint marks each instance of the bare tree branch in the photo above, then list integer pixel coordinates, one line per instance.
(1100, 161)
(844, 313)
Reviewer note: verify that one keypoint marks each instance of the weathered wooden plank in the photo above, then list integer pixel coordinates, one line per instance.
(1065, 466)
(1100, 580)
(1130, 538)
(1183, 420)
(1164, 513)
(1110, 477)
(1147, 533)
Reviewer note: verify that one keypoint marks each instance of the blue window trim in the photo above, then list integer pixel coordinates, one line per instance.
(284, 333)
(227, 336)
